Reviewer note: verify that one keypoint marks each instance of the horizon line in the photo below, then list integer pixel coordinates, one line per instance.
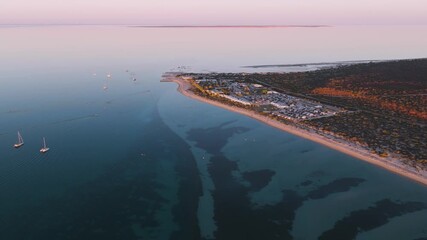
(205, 26)
(169, 26)
(229, 26)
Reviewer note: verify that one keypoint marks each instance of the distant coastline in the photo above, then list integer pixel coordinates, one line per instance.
(391, 164)
(313, 64)
(163, 26)
(234, 26)
(328, 64)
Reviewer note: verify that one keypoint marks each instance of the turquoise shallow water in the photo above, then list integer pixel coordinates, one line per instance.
(140, 161)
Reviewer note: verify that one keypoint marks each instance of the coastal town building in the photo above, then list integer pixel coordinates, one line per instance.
(250, 94)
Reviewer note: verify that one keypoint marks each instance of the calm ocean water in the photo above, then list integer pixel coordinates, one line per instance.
(137, 160)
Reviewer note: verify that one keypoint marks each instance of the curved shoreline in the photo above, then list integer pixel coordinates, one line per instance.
(393, 166)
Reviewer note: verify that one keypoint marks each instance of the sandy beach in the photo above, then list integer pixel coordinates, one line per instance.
(389, 163)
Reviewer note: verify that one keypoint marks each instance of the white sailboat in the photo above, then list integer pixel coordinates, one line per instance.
(20, 141)
(44, 148)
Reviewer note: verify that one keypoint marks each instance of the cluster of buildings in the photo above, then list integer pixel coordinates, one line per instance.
(256, 95)
(294, 108)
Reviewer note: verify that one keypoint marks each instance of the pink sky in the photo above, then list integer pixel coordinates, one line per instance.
(213, 12)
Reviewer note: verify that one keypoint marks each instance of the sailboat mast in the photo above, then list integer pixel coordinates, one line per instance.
(20, 140)
(44, 142)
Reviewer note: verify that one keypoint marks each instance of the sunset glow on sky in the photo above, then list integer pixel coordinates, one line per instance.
(213, 12)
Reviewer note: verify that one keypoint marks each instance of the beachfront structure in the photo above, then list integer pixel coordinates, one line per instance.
(235, 99)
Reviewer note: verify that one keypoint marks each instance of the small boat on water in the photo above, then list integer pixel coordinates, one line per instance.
(44, 148)
(20, 141)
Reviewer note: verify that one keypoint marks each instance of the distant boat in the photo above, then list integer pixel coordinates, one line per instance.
(44, 148)
(132, 76)
(20, 141)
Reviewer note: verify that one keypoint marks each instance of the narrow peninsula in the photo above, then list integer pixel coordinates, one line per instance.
(374, 111)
